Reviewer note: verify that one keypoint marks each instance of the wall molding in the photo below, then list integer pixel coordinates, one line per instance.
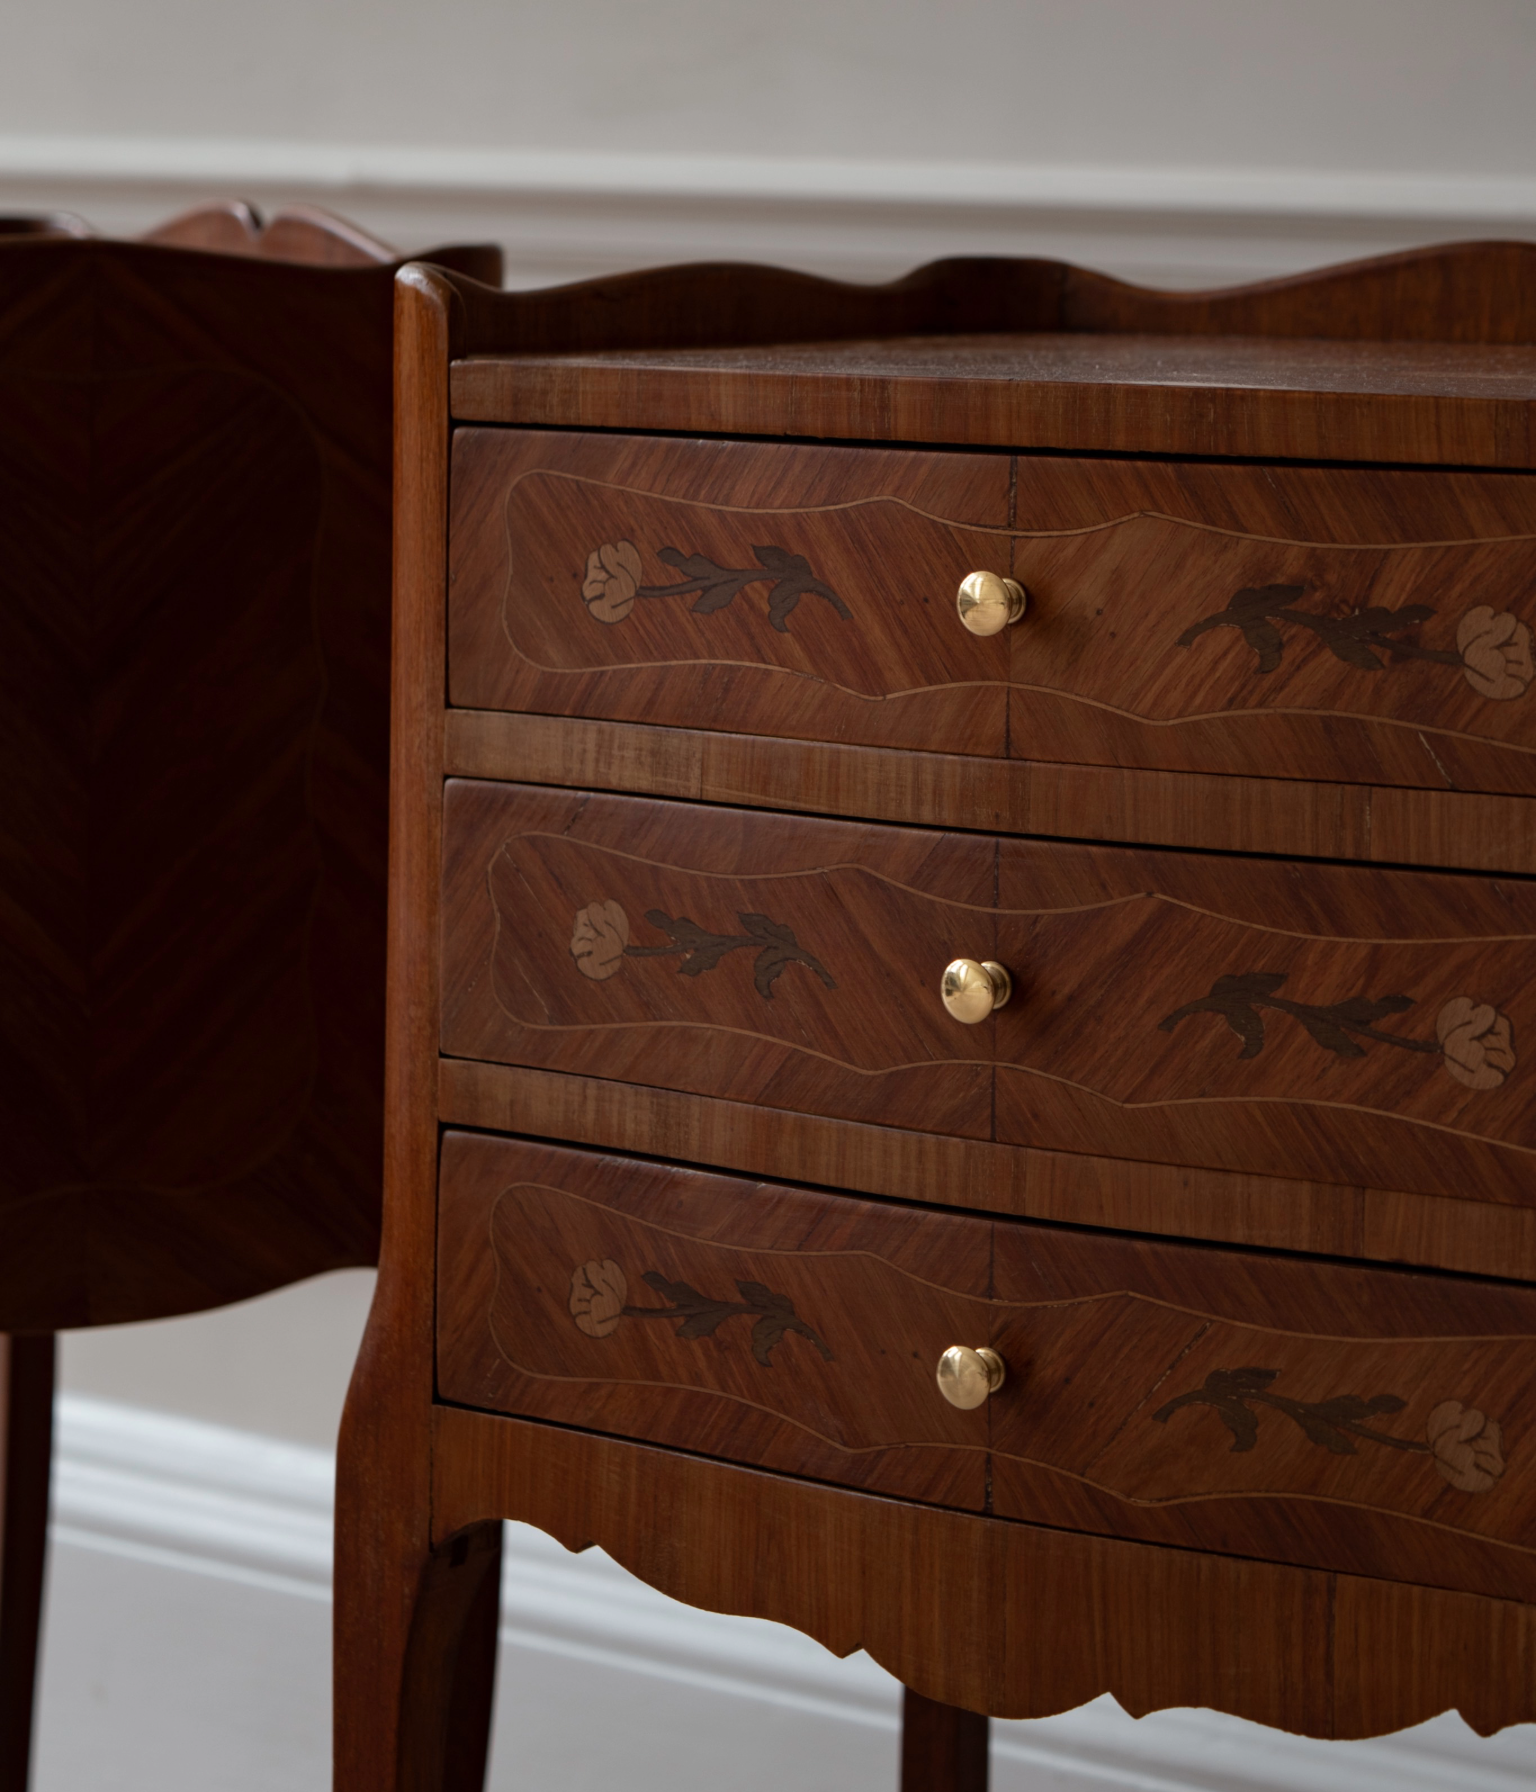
(569, 214)
(193, 1497)
(363, 167)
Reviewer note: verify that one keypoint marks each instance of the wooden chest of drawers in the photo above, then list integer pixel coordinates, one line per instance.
(1215, 1209)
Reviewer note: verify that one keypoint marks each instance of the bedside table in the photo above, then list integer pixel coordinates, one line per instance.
(961, 965)
(194, 681)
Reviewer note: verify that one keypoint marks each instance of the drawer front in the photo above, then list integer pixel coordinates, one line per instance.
(1343, 1025)
(1334, 624)
(1287, 1409)
(786, 591)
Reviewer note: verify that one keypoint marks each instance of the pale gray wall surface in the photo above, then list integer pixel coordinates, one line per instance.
(278, 1364)
(1440, 86)
(1181, 142)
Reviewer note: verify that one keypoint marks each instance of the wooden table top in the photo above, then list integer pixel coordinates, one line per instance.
(1424, 402)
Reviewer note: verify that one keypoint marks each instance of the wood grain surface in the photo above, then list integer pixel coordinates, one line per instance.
(308, 236)
(1374, 1109)
(301, 233)
(414, 1627)
(193, 818)
(1079, 361)
(544, 1256)
(1344, 625)
(1364, 1420)
(943, 1749)
(1328, 1023)
(889, 535)
(1449, 293)
(1257, 399)
(1458, 829)
(1050, 1619)
(513, 991)
(194, 669)
(1441, 1232)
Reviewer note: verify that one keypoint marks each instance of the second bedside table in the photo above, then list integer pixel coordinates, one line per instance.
(961, 955)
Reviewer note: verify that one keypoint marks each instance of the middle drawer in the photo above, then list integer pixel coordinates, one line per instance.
(1338, 1024)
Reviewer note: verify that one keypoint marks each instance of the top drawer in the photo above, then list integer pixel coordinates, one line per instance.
(1337, 624)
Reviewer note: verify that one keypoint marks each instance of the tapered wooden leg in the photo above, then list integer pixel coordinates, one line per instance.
(26, 1449)
(450, 1668)
(943, 1749)
(416, 1665)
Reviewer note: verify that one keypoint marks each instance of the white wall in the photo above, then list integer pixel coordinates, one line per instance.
(277, 1365)
(1184, 140)
(1430, 86)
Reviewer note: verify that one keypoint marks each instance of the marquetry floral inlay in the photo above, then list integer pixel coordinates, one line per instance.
(600, 1297)
(612, 582)
(600, 944)
(598, 939)
(1474, 1041)
(1477, 1042)
(613, 578)
(1493, 647)
(1466, 1445)
(598, 1294)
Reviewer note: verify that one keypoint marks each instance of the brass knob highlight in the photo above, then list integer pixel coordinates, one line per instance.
(988, 603)
(967, 1378)
(972, 990)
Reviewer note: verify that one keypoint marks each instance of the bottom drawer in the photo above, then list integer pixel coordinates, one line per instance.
(1285, 1408)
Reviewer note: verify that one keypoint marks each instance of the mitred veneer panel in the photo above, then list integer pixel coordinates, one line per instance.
(552, 1261)
(800, 591)
(1360, 1419)
(1358, 626)
(1336, 1024)
(551, 955)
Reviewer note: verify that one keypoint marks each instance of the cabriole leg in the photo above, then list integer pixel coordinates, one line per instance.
(413, 1698)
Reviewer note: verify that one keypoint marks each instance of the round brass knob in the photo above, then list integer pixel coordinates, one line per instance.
(988, 603)
(971, 990)
(968, 1377)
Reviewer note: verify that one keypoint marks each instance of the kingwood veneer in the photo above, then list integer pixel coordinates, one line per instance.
(1137, 653)
(700, 782)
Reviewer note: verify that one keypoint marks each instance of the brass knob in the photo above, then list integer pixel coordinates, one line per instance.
(968, 1377)
(971, 990)
(988, 603)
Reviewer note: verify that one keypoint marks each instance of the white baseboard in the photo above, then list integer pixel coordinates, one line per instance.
(198, 1498)
(564, 215)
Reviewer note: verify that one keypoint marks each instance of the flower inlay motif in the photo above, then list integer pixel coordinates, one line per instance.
(600, 944)
(611, 582)
(598, 939)
(600, 1300)
(1474, 1041)
(1466, 1445)
(1493, 647)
